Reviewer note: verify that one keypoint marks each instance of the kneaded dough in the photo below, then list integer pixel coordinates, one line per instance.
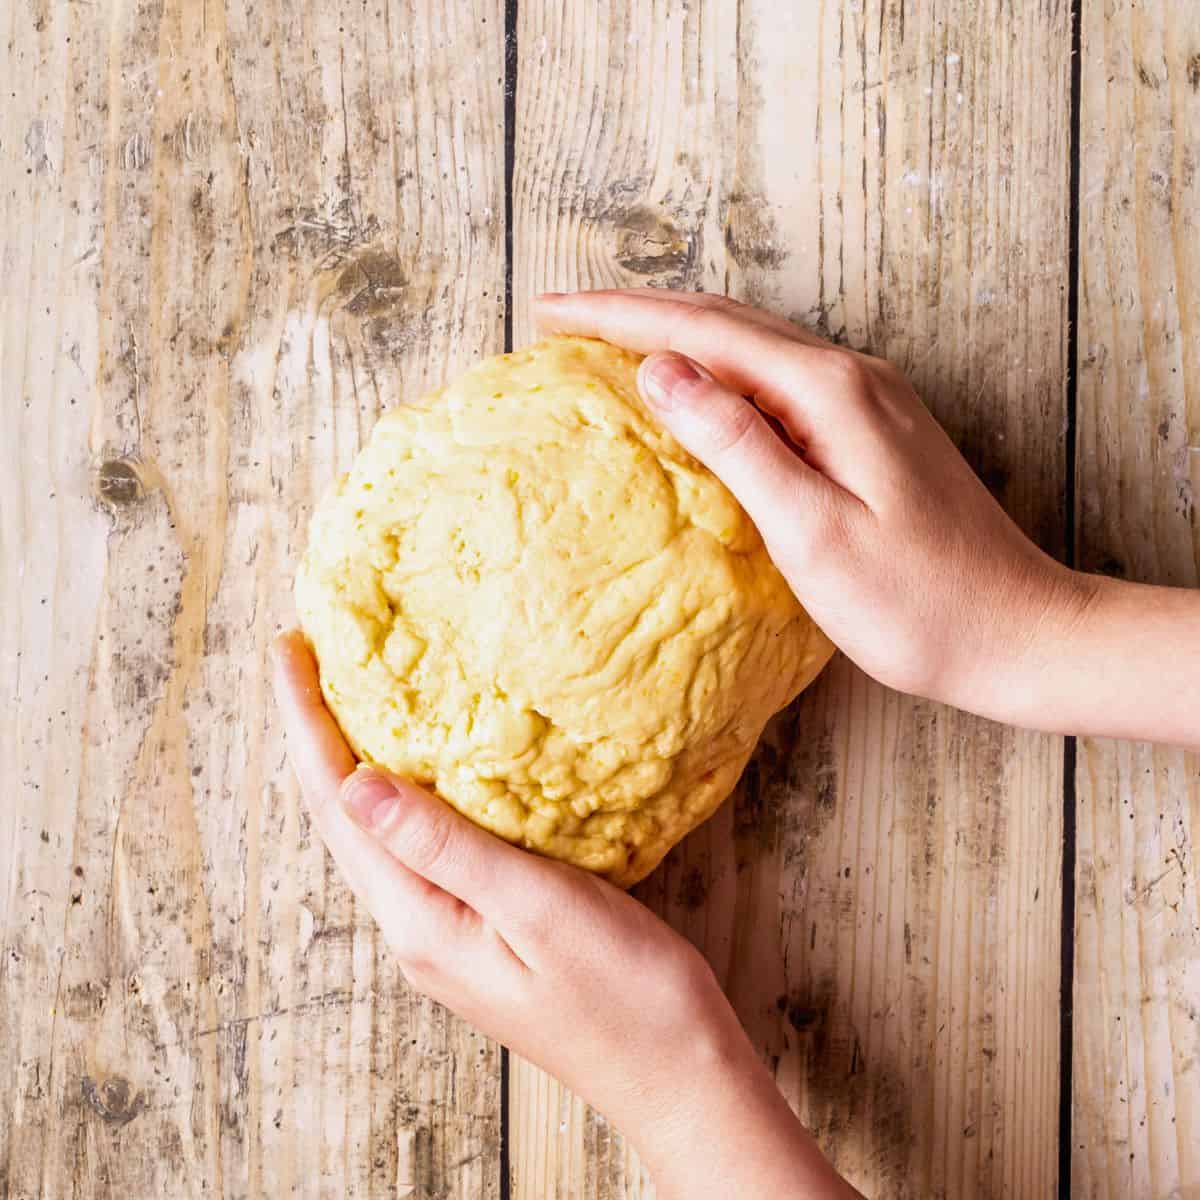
(526, 595)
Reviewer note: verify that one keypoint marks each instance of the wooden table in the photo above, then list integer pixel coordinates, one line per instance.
(234, 234)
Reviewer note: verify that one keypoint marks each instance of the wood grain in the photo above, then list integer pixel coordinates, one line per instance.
(232, 234)
(882, 900)
(1136, 1113)
(219, 226)
(628, 192)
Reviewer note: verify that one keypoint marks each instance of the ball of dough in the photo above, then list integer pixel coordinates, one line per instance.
(526, 595)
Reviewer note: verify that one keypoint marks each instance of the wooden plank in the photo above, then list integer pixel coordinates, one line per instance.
(883, 898)
(1136, 1112)
(227, 233)
(627, 192)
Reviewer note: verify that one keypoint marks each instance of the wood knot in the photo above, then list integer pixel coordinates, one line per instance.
(114, 1100)
(801, 1017)
(372, 283)
(649, 243)
(117, 483)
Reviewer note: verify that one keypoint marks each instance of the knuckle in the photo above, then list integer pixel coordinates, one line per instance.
(412, 951)
(890, 383)
(418, 975)
(566, 898)
(718, 301)
(728, 421)
(535, 922)
(427, 841)
(887, 371)
(688, 318)
(824, 536)
(848, 371)
(707, 324)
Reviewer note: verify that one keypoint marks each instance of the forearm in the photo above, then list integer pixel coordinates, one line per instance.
(1122, 662)
(729, 1132)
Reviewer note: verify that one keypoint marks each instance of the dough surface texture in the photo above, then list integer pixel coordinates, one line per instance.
(526, 595)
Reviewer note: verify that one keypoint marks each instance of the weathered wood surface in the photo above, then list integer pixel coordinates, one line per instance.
(232, 234)
(883, 899)
(218, 223)
(1136, 1112)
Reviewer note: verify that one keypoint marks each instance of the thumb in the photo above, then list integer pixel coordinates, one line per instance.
(438, 843)
(728, 434)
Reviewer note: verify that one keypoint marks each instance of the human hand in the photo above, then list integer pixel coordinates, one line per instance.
(887, 537)
(556, 963)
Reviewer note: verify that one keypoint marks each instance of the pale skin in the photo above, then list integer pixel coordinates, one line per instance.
(907, 562)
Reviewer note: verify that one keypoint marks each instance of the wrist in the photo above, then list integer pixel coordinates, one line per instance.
(1039, 625)
(1062, 613)
(1124, 662)
(729, 1131)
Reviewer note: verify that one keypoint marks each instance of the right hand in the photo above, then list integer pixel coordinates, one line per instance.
(885, 534)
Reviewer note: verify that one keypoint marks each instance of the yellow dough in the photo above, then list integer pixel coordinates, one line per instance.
(526, 595)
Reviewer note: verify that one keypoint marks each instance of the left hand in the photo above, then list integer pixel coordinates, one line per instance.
(556, 963)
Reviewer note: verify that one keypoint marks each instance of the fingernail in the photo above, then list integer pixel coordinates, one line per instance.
(371, 800)
(662, 376)
(549, 295)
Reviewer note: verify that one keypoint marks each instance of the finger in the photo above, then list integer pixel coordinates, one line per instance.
(509, 887)
(802, 386)
(776, 370)
(419, 920)
(728, 434)
(714, 300)
(427, 928)
(316, 748)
